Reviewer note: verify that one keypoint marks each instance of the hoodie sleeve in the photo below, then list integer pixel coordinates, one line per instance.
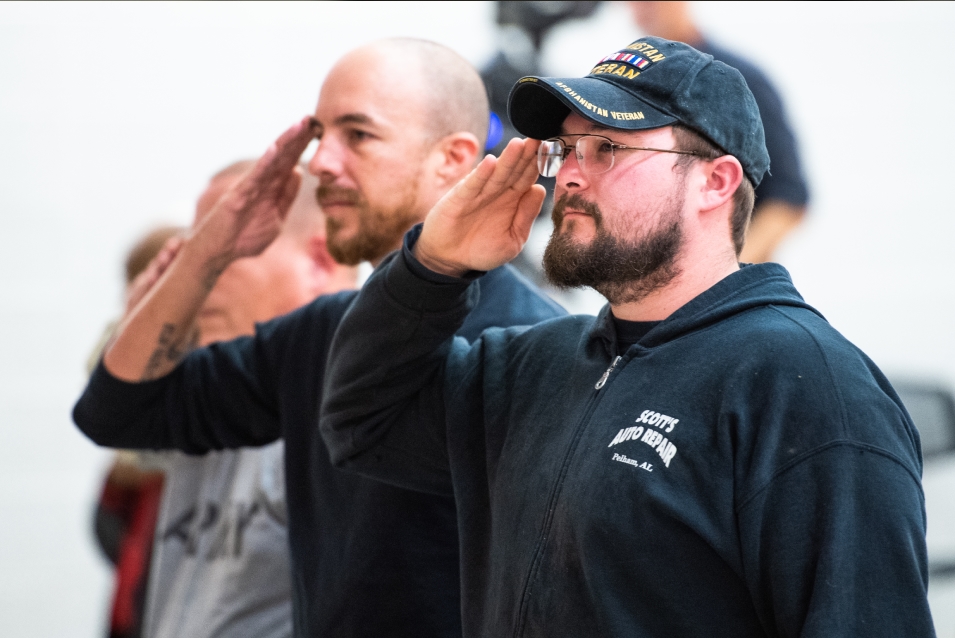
(220, 396)
(832, 527)
(384, 400)
(834, 546)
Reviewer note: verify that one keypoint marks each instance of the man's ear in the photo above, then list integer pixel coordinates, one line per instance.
(456, 155)
(723, 176)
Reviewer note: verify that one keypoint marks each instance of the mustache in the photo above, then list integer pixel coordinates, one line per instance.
(577, 202)
(328, 193)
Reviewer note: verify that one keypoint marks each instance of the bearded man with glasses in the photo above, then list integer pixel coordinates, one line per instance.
(707, 457)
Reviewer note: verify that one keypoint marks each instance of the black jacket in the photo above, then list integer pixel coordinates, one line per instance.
(368, 559)
(743, 470)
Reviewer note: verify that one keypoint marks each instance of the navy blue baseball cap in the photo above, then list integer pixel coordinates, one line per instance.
(651, 83)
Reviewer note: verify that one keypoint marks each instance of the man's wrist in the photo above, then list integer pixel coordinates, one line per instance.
(435, 274)
(419, 288)
(436, 265)
(205, 258)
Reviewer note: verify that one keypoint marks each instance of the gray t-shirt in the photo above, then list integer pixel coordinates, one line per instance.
(221, 558)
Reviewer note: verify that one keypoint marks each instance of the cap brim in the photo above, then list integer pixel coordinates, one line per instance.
(538, 106)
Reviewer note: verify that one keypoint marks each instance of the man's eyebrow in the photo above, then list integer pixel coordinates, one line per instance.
(353, 118)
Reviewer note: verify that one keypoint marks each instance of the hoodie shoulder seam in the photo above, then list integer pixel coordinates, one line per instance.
(843, 416)
(802, 458)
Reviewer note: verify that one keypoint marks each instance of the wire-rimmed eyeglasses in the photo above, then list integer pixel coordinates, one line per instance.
(595, 154)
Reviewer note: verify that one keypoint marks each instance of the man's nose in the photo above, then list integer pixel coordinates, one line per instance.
(569, 176)
(328, 161)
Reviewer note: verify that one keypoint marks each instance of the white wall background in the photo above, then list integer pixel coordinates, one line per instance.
(112, 116)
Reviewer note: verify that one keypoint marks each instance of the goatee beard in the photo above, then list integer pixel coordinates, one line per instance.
(623, 271)
(379, 232)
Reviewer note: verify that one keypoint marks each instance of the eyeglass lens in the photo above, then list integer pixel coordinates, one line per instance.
(594, 154)
(550, 157)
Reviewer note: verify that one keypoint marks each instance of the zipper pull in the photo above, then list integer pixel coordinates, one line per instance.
(603, 379)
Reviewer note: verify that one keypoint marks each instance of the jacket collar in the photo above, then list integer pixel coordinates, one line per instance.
(751, 286)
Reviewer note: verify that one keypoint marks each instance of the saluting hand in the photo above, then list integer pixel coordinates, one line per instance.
(158, 328)
(249, 216)
(484, 221)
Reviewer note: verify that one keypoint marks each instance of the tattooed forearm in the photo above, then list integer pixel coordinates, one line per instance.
(171, 348)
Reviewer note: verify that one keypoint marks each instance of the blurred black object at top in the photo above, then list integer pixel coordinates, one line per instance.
(536, 18)
(522, 27)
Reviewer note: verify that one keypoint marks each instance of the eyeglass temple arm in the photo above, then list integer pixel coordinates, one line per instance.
(658, 150)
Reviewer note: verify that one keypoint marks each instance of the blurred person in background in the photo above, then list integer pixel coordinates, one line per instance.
(782, 196)
(125, 516)
(221, 558)
(399, 123)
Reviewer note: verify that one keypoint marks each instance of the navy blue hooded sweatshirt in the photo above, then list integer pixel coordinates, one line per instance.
(368, 559)
(743, 470)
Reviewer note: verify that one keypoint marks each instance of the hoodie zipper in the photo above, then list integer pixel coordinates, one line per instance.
(603, 380)
(552, 500)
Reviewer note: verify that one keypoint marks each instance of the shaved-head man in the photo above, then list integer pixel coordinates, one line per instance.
(399, 123)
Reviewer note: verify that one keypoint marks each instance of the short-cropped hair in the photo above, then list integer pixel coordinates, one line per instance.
(744, 197)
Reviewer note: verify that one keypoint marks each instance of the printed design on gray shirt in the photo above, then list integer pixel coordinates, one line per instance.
(224, 529)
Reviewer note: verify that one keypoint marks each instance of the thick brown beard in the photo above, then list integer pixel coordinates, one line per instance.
(379, 232)
(623, 271)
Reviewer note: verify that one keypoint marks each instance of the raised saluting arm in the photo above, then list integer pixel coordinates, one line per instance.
(383, 413)
(156, 333)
